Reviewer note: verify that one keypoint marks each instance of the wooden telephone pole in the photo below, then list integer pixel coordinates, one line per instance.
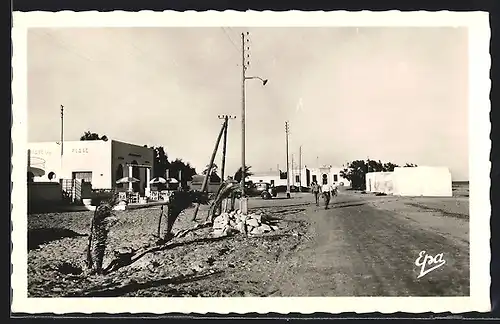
(209, 172)
(300, 168)
(224, 143)
(287, 131)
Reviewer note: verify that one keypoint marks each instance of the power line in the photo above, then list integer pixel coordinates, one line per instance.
(58, 42)
(229, 37)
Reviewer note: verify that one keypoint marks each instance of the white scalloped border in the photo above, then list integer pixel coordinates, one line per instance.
(479, 165)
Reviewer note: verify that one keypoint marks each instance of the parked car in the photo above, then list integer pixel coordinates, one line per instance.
(265, 190)
(261, 189)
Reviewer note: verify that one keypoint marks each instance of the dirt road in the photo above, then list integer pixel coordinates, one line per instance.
(362, 246)
(367, 246)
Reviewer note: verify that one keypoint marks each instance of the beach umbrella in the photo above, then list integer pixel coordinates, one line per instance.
(127, 180)
(158, 180)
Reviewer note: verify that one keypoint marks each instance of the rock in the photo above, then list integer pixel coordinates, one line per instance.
(221, 221)
(252, 222)
(241, 227)
(258, 217)
(266, 228)
(274, 227)
(257, 230)
(219, 232)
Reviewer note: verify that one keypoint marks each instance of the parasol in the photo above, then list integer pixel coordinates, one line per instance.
(127, 180)
(158, 180)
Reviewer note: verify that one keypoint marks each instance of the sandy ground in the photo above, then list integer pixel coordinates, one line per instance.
(364, 245)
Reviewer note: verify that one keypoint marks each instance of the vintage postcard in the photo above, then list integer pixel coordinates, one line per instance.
(237, 162)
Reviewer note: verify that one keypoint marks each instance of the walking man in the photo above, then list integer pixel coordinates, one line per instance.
(315, 190)
(327, 191)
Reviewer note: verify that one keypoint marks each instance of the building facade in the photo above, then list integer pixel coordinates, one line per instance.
(304, 177)
(416, 181)
(99, 162)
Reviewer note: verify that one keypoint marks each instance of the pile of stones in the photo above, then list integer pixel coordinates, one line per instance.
(235, 222)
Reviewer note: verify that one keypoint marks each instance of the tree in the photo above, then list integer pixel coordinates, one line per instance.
(214, 177)
(356, 171)
(248, 173)
(186, 169)
(89, 136)
(160, 164)
(410, 165)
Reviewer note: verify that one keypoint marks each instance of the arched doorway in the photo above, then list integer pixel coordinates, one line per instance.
(325, 179)
(119, 175)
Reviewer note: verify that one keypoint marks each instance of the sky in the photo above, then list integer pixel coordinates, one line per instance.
(390, 94)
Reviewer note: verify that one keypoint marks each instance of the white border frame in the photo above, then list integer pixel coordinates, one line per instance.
(479, 165)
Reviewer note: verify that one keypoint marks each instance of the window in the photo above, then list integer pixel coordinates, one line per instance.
(325, 179)
(119, 175)
(314, 178)
(297, 178)
(335, 178)
(51, 175)
(85, 176)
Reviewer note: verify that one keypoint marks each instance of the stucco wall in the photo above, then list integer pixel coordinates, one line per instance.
(423, 181)
(418, 181)
(380, 182)
(331, 172)
(79, 156)
(267, 178)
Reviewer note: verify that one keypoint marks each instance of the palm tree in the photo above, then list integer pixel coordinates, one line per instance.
(248, 173)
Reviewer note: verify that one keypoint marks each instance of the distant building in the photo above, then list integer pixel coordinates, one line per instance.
(303, 177)
(99, 162)
(416, 181)
(272, 177)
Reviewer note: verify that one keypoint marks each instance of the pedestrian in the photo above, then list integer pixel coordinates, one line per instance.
(315, 190)
(335, 190)
(327, 191)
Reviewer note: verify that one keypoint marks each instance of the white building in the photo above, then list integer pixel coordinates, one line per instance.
(303, 177)
(416, 181)
(327, 174)
(99, 162)
(272, 177)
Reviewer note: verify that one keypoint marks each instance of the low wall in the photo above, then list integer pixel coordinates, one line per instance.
(423, 181)
(382, 182)
(44, 195)
(412, 182)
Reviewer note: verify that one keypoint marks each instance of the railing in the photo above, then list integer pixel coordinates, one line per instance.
(37, 162)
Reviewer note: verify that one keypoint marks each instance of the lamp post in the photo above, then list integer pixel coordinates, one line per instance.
(244, 78)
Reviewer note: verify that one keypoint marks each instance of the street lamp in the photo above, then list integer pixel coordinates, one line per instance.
(264, 81)
(243, 199)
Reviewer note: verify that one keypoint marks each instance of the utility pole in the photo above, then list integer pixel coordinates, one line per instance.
(300, 168)
(62, 142)
(243, 199)
(62, 130)
(293, 174)
(209, 172)
(287, 130)
(224, 143)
